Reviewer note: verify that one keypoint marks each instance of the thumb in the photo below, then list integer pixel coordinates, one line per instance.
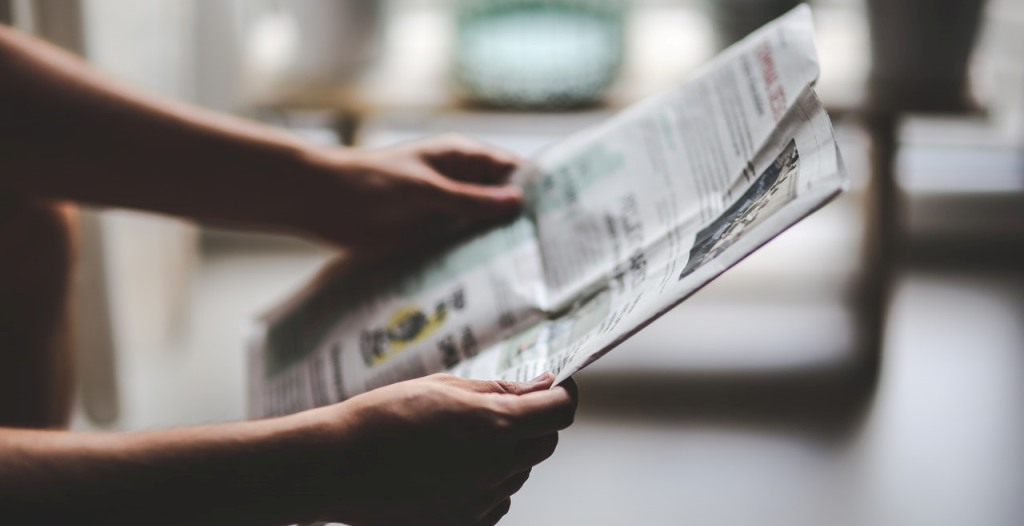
(475, 201)
(540, 383)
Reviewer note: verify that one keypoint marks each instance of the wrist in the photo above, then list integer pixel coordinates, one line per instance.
(327, 194)
(255, 472)
(292, 184)
(309, 458)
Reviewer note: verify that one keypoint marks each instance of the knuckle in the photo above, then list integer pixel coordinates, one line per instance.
(443, 378)
(488, 478)
(500, 404)
(545, 449)
(550, 447)
(501, 386)
(502, 423)
(503, 509)
(569, 416)
(447, 193)
(477, 418)
(443, 144)
(432, 188)
(516, 483)
(500, 414)
(459, 141)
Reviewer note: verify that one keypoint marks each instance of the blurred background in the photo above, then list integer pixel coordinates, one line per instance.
(866, 368)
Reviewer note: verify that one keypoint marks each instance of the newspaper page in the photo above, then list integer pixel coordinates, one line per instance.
(622, 222)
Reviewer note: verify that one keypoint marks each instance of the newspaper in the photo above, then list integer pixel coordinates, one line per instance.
(622, 222)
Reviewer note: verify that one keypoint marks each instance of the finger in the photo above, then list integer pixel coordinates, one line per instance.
(464, 159)
(540, 383)
(504, 490)
(531, 452)
(473, 168)
(513, 484)
(541, 412)
(496, 513)
(454, 142)
(474, 201)
(570, 385)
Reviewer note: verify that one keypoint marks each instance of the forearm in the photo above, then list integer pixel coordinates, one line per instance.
(437, 450)
(242, 473)
(68, 132)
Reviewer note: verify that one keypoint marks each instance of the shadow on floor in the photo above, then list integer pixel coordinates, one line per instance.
(827, 402)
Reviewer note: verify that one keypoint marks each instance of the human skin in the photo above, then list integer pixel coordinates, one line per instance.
(66, 132)
(438, 450)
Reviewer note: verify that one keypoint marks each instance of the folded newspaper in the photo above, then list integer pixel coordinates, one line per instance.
(622, 222)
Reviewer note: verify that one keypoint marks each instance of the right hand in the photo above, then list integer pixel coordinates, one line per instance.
(407, 194)
(439, 450)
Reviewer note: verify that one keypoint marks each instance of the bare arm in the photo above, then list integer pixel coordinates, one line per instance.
(439, 450)
(170, 477)
(68, 132)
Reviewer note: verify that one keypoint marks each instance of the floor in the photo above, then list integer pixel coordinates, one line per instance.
(940, 445)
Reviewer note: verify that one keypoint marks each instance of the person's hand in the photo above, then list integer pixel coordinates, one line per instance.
(439, 450)
(410, 193)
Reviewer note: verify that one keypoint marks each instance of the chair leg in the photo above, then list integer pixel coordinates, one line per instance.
(883, 240)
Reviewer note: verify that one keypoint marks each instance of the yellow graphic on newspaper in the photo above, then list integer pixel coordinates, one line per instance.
(406, 326)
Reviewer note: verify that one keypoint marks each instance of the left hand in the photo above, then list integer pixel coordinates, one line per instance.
(411, 193)
(438, 450)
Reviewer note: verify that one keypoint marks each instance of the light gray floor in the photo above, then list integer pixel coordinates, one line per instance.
(941, 445)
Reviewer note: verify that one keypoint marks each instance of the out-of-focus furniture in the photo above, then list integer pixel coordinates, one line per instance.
(133, 269)
(60, 22)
